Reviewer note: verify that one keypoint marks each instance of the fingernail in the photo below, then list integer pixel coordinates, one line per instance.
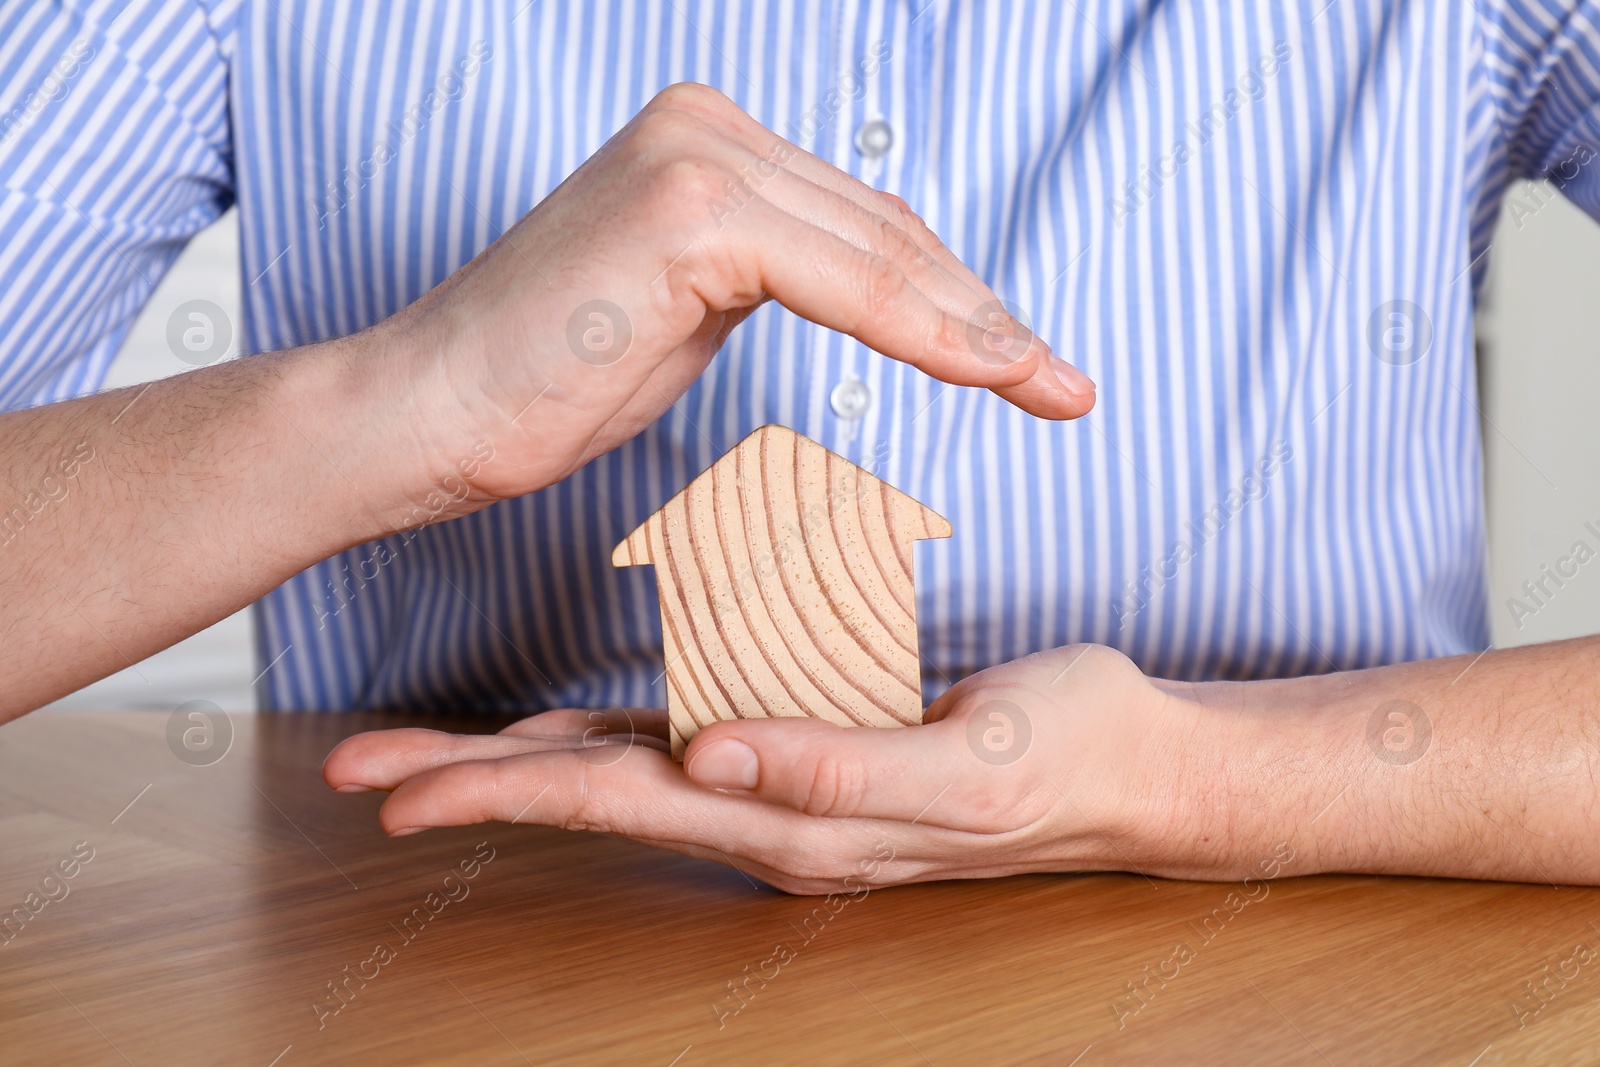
(726, 764)
(352, 787)
(406, 831)
(1072, 379)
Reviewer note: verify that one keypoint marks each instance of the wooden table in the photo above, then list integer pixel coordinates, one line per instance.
(222, 900)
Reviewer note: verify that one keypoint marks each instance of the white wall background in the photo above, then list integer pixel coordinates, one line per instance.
(1540, 338)
(1539, 332)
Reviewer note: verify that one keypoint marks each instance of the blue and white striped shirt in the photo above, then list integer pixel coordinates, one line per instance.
(1258, 225)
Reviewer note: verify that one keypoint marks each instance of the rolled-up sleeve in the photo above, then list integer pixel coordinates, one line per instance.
(114, 152)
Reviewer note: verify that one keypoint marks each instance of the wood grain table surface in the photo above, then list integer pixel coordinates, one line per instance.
(219, 902)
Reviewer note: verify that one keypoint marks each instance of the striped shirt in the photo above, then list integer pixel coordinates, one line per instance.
(1258, 225)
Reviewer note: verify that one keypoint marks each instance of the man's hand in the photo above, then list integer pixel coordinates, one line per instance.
(1069, 760)
(1039, 765)
(591, 316)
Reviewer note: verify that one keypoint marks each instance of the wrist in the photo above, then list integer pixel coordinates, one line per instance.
(1279, 775)
(1147, 794)
(497, 406)
(340, 406)
(373, 405)
(1192, 796)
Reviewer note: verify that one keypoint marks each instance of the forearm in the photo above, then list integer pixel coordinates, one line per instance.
(1451, 767)
(132, 519)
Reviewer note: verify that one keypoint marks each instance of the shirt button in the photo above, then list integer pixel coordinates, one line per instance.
(874, 138)
(850, 399)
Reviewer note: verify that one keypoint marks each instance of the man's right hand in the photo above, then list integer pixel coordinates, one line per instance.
(582, 324)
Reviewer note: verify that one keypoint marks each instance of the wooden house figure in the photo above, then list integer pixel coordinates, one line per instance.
(785, 578)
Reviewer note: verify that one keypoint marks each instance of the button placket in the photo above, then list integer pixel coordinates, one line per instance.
(865, 143)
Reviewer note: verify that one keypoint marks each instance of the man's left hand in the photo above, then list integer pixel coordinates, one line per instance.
(1044, 764)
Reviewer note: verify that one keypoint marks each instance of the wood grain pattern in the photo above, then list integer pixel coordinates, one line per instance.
(786, 586)
(220, 904)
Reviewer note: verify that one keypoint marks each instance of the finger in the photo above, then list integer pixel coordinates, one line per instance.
(871, 297)
(769, 155)
(832, 200)
(822, 276)
(575, 724)
(382, 759)
(992, 333)
(576, 789)
(771, 159)
(925, 774)
(864, 871)
(873, 231)
(644, 796)
(844, 287)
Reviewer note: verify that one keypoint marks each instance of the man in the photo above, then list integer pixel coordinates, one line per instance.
(1258, 226)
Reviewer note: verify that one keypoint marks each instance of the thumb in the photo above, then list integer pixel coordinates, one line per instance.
(821, 769)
